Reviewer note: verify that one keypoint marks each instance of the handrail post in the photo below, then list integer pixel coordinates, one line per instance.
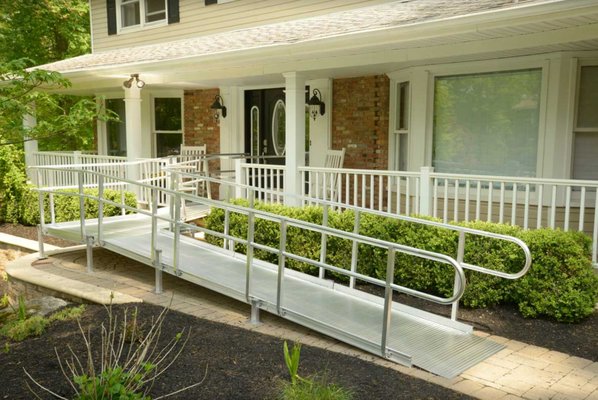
(154, 210)
(460, 256)
(388, 291)
(100, 206)
(324, 242)
(425, 191)
(158, 267)
(281, 265)
(81, 205)
(177, 235)
(249, 255)
(225, 242)
(354, 249)
(40, 241)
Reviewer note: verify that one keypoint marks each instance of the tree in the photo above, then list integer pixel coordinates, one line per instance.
(60, 124)
(43, 30)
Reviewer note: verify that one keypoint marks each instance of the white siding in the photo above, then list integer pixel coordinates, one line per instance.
(198, 19)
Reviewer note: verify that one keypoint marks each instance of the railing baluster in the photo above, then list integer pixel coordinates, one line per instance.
(582, 208)
(408, 198)
(281, 262)
(372, 191)
(553, 208)
(324, 242)
(501, 204)
(417, 198)
(490, 194)
(514, 204)
(388, 291)
(478, 201)
(389, 193)
(526, 208)
(398, 208)
(567, 208)
(445, 204)
(456, 206)
(467, 188)
(540, 189)
(435, 199)
(354, 249)
(380, 191)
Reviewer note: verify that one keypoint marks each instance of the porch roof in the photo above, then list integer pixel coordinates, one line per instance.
(395, 25)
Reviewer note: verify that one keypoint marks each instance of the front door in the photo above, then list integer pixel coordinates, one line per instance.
(265, 125)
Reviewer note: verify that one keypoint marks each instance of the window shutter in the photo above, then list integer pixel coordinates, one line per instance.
(111, 11)
(173, 11)
(210, 2)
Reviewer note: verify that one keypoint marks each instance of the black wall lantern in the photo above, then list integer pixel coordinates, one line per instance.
(316, 104)
(218, 105)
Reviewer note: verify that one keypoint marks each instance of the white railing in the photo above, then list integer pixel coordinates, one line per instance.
(109, 165)
(527, 202)
(266, 179)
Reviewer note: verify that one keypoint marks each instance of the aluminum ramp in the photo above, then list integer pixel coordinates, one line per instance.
(431, 342)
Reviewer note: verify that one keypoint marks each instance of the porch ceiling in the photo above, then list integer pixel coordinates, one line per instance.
(366, 41)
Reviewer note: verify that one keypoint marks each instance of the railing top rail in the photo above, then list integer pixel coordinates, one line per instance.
(514, 179)
(360, 171)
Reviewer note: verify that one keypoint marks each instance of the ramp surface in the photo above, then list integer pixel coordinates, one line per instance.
(415, 337)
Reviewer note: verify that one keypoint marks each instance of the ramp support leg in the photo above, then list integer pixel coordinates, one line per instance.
(89, 241)
(255, 312)
(40, 241)
(158, 268)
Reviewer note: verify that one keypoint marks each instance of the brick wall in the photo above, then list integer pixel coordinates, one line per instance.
(200, 125)
(360, 120)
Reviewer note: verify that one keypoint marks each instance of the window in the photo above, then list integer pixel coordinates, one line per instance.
(168, 126)
(127, 14)
(141, 12)
(279, 128)
(585, 152)
(401, 128)
(487, 123)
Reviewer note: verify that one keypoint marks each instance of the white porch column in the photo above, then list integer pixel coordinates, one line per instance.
(295, 136)
(29, 122)
(133, 127)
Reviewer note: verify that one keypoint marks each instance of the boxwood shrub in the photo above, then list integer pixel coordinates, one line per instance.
(66, 207)
(560, 285)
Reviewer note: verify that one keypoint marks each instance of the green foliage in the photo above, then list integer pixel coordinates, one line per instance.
(13, 183)
(112, 383)
(68, 314)
(17, 330)
(315, 387)
(560, 285)
(291, 359)
(66, 205)
(44, 30)
(21, 325)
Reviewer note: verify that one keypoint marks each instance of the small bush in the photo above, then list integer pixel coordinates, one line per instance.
(13, 182)
(66, 207)
(18, 330)
(560, 285)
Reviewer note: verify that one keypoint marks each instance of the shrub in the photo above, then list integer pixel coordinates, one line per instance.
(13, 182)
(66, 207)
(560, 285)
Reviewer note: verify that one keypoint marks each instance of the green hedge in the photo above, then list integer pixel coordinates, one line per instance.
(66, 207)
(561, 283)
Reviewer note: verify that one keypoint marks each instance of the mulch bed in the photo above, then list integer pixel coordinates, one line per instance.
(236, 363)
(246, 365)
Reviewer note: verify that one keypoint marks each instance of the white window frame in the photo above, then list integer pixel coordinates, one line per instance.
(395, 132)
(421, 109)
(154, 131)
(579, 64)
(142, 14)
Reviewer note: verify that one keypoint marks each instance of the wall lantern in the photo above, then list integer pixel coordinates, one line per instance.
(218, 105)
(138, 82)
(316, 104)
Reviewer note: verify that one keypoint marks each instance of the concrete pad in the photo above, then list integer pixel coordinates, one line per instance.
(21, 269)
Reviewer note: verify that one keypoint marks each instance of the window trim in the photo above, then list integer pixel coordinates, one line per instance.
(421, 109)
(142, 14)
(154, 132)
(575, 129)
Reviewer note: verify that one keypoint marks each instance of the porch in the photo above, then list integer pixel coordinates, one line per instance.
(531, 203)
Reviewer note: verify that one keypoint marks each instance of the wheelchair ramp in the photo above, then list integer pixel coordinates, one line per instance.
(428, 341)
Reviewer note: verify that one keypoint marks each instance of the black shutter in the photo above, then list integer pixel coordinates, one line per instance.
(173, 11)
(111, 10)
(210, 2)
